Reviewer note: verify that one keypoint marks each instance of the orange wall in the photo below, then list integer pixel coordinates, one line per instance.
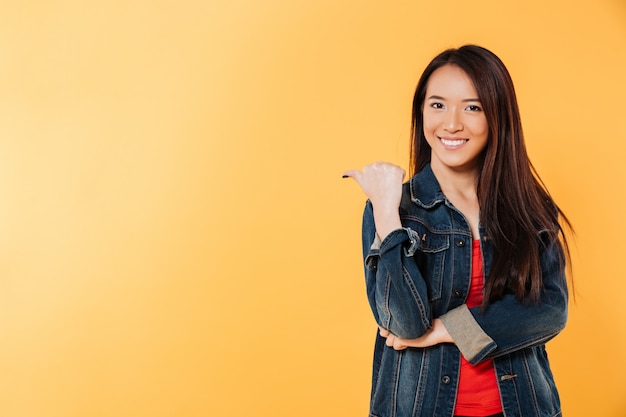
(175, 237)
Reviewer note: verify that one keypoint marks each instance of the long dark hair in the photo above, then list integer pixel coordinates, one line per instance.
(516, 210)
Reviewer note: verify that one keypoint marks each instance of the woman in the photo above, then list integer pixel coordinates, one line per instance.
(464, 263)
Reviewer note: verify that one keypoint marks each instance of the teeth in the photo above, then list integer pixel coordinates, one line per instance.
(456, 142)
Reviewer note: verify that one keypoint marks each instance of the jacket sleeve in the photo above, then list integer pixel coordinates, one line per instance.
(508, 325)
(396, 290)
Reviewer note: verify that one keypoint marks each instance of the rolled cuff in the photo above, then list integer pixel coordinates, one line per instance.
(392, 239)
(376, 243)
(467, 334)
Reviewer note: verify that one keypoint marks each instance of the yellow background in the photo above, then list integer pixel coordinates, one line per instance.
(175, 235)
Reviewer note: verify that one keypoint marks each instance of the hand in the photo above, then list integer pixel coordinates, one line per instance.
(382, 184)
(436, 335)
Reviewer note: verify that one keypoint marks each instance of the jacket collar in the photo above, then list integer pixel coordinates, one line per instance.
(425, 189)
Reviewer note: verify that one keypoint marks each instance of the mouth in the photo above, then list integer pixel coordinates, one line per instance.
(452, 142)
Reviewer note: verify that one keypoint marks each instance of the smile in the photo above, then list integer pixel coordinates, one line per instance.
(453, 142)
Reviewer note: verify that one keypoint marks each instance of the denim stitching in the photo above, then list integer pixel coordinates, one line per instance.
(387, 296)
(419, 392)
(393, 407)
(416, 297)
(531, 384)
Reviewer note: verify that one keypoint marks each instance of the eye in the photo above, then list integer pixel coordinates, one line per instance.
(474, 107)
(436, 105)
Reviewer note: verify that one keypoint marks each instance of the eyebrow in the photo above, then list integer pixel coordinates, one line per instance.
(441, 98)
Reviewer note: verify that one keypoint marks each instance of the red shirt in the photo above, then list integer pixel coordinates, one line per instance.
(478, 393)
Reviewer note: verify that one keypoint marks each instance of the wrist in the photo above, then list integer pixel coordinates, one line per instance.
(386, 219)
(442, 333)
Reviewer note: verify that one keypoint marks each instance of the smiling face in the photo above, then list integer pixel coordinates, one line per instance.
(455, 125)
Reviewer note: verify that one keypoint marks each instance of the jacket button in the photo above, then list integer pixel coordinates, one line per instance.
(445, 380)
(458, 293)
(460, 242)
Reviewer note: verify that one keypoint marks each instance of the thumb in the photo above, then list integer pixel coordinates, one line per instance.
(355, 174)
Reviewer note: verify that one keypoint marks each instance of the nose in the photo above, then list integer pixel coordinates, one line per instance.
(453, 122)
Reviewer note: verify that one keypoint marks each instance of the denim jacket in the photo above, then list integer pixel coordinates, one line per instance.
(423, 271)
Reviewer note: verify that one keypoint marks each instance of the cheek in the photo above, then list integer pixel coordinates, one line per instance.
(481, 128)
(429, 124)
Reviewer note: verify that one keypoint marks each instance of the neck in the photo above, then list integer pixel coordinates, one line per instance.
(462, 182)
(460, 188)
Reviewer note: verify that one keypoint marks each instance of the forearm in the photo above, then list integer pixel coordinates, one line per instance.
(397, 292)
(434, 336)
(505, 326)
